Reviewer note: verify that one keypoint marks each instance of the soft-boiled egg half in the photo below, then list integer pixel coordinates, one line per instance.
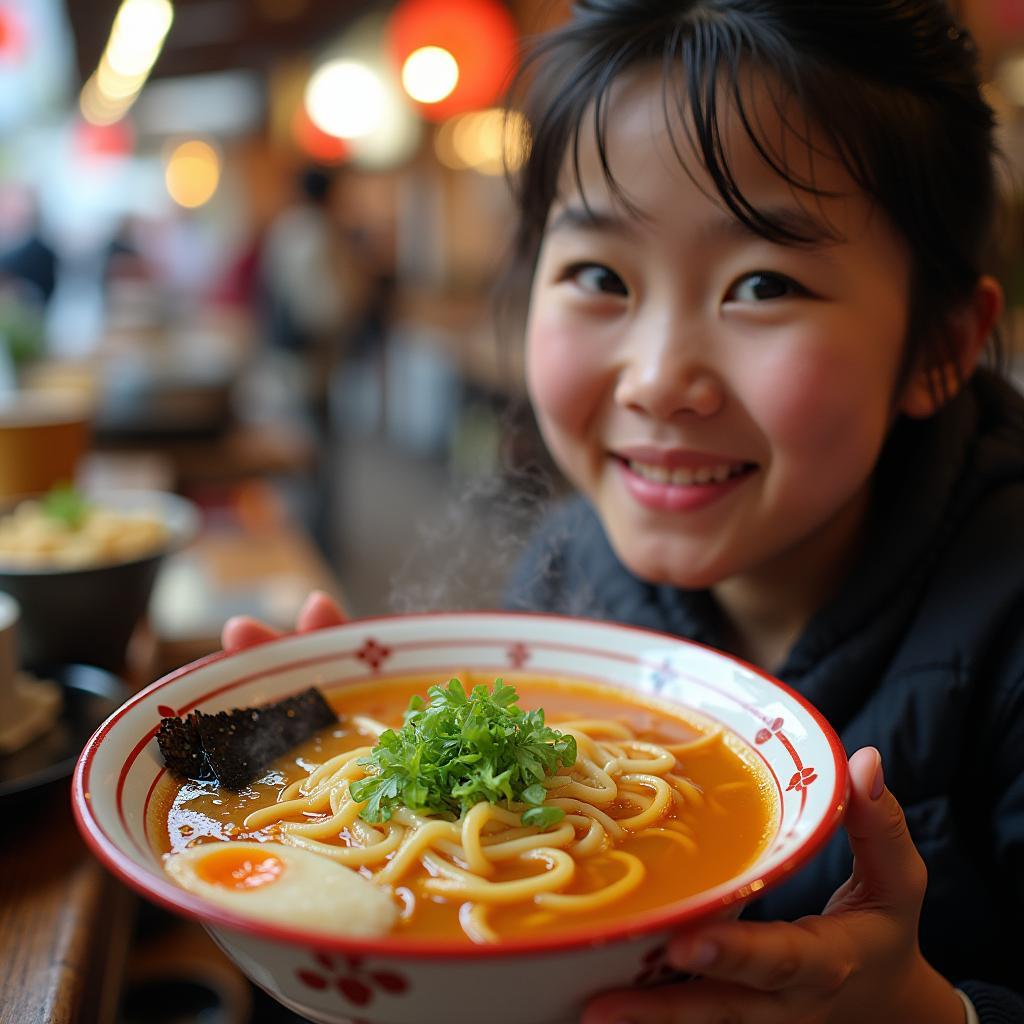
(284, 885)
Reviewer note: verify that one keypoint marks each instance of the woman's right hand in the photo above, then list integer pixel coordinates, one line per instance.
(317, 611)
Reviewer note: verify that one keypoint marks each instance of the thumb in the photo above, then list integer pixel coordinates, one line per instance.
(886, 862)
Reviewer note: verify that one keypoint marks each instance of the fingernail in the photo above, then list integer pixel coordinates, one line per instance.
(878, 782)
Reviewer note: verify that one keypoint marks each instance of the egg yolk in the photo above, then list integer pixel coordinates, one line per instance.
(239, 869)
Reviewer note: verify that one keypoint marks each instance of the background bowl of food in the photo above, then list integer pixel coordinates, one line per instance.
(82, 568)
(372, 842)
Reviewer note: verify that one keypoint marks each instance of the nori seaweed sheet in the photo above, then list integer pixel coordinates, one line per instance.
(233, 747)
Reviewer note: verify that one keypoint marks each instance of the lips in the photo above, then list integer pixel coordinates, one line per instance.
(679, 480)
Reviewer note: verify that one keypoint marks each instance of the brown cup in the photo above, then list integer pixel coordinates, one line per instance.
(43, 435)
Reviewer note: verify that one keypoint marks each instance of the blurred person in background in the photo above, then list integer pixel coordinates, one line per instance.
(28, 263)
(28, 279)
(314, 286)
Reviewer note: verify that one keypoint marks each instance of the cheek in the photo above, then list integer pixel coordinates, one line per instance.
(563, 380)
(825, 403)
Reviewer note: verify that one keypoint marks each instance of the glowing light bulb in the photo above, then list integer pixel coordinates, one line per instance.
(137, 35)
(346, 99)
(430, 74)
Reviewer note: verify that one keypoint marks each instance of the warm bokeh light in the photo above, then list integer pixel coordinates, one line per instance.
(392, 134)
(95, 108)
(137, 35)
(115, 86)
(429, 74)
(136, 38)
(345, 98)
(394, 141)
(488, 141)
(479, 34)
(192, 173)
(1011, 80)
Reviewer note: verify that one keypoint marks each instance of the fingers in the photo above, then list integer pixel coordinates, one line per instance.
(750, 973)
(888, 866)
(692, 1002)
(768, 956)
(241, 631)
(318, 611)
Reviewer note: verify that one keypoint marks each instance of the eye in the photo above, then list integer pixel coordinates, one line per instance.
(763, 285)
(596, 278)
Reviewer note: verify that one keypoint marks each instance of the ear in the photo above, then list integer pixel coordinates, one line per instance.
(970, 326)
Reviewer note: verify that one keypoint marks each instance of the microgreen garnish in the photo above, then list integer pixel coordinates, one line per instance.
(461, 748)
(65, 503)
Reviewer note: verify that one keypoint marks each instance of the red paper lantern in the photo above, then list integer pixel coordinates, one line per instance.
(479, 34)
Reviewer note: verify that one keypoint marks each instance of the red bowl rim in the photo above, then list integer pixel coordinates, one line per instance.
(675, 916)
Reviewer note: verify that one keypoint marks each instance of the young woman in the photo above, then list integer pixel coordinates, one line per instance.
(758, 232)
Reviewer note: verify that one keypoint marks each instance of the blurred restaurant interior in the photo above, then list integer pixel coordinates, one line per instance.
(254, 246)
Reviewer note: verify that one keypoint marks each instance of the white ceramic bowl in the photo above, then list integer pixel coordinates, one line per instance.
(401, 981)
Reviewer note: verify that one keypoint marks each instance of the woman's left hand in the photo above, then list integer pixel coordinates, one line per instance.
(858, 961)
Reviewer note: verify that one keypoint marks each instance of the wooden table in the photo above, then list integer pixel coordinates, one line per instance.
(65, 923)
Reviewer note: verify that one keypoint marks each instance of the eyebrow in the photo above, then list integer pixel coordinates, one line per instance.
(793, 219)
(586, 218)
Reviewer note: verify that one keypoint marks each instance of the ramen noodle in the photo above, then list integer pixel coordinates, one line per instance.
(657, 807)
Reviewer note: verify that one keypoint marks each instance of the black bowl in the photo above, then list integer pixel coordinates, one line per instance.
(86, 615)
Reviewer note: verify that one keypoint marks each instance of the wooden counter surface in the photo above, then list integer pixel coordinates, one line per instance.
(64, 922)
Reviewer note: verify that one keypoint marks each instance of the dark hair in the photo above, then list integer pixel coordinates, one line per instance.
(893, 84)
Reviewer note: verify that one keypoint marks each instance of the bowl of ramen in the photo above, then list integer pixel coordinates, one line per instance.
(82, 567)
(458, 817)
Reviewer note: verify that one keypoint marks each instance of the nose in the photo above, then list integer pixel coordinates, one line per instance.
(665, 375)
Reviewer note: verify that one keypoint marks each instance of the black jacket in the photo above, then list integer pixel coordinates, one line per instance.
(920, 654)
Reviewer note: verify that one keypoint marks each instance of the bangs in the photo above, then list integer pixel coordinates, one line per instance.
(706, 68)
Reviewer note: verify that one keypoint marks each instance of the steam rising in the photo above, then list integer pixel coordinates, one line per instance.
(463, 557)
(467, 557)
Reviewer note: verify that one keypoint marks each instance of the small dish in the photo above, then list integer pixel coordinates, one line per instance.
(89, 696)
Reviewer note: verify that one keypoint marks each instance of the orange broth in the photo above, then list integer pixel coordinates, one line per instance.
(732, 828)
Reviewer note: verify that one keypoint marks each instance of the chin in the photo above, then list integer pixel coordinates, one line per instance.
(659, 564)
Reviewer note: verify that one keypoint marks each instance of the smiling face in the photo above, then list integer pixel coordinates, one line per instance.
(722, 399)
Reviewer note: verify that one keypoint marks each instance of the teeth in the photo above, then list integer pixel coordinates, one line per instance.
(685, 477)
